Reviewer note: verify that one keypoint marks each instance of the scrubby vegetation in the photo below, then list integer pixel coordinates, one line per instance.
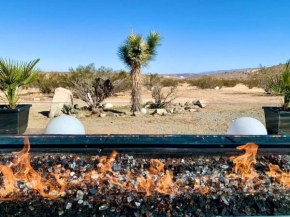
(280, 84)
(259, 78)
(47, 82)
(208, 82)
(156, 85)
(94, 86)
(70, 109)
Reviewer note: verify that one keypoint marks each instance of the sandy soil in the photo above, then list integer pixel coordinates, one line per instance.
(224, 106)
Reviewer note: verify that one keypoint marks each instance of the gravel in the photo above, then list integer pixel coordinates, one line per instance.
(112, 186)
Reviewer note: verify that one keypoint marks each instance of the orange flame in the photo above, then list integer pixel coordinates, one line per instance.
(156, 180)
(244, 165)
(200, 189)
(26, 174)
(277, 173)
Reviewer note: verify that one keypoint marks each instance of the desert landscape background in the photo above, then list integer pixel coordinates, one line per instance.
(223, 106)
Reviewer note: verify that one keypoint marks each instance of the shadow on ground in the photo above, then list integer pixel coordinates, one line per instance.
(44, 113)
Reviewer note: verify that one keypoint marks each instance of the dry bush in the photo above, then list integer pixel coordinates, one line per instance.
(94, 91)
(204, 82)
(209, 82)
(169, 82)
(47, 82)
(151, 80)
(162, 99)
(93, 86)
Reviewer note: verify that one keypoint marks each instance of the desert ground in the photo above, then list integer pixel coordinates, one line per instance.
(223, 106)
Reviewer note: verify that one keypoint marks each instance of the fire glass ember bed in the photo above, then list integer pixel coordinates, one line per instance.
(144, 175)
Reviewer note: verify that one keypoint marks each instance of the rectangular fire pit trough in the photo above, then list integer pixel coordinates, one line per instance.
(144, 175)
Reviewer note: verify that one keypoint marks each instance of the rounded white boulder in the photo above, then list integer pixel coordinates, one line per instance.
(143, 110)
(65, 125)
(246, 126)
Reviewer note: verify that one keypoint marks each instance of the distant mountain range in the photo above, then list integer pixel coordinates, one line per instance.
(186, 75)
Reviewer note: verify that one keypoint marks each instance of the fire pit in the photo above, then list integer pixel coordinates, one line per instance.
(119, 176)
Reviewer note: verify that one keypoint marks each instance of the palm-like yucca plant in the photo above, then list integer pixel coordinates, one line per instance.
(13, 75)
(137, 52)
(281, 85)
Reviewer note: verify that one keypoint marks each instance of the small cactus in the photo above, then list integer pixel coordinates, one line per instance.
(70, 109)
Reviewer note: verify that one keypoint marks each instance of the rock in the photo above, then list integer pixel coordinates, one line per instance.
(61, 96)
(102, 115)
(160, 111)
(96, 111)
(200, 103)
(192, 110)
(178, 110)
(93, 191)
(187, 108)
(36, 99)
(108, 106)
(217, 87)
(80, 195)
(170, 110)
(188, 103)
(68, 206)
(110, 114)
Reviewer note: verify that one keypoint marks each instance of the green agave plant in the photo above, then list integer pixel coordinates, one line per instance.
(13, 75)
(281, 85)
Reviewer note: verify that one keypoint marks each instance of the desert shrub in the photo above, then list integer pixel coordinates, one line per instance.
(125, 83)
(280, 84)
(169, 82)
(228, 82)
(262, 78)
(94, 86)
(161, 98)
(47, 82)
(93, 91)
(252, 82)
(151, 80)
(70, 109)
(120, 78)
(204, 82)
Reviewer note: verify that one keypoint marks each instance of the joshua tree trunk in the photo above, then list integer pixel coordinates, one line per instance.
(136, 89)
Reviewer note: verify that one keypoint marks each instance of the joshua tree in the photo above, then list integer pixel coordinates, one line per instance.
(137, 52)
(13, 75)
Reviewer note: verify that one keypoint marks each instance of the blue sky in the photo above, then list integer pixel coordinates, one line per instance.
(199, 35)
